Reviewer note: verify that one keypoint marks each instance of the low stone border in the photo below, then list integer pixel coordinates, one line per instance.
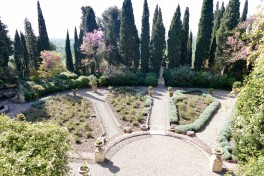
(113, 114)
(100, 120)
(148, 116)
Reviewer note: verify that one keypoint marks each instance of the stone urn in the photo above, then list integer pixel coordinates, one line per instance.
(144, 127)
(216, 162)
(84, 169)
(150, 90)
(170, 91)
(211, 91)
(110, 89)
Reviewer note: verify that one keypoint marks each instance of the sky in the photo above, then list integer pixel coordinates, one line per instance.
(61, 15)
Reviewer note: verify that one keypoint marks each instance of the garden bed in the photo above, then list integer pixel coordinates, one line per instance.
(77, 114)
(130, 106)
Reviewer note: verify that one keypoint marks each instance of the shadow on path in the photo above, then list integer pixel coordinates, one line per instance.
(110, 165)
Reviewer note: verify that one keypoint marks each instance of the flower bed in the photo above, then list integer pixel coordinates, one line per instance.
(74, 113)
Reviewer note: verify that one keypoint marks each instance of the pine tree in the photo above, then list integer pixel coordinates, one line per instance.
(175, 40)
(228, 23)
(76, 51)
(129, 41)
(203, 41)
(145, 38)
(43, 35)
(244, 13)
(185, 35)
(90, 22)
(189, 50)
(17, 54)
(158, 43)
(217, 21)
(25, 57)
(5, 46)
(69, 62)
(31, 40)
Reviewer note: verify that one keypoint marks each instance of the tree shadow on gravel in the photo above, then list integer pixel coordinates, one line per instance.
(110, 165)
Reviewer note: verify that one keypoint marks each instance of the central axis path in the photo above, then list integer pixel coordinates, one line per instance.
(158, 118)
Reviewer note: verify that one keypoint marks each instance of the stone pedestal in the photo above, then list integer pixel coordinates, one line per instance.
(216, 163)
(99, 155)
(21, 96)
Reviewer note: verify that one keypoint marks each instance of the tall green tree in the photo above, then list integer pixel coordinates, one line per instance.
(129, 40)
(25, 57)
(228, 23)
(185, 35)
(145, 38)
(244, 13)
(158, 43)
(17, 54)
(69, 62)
(217, 21)
(43, 39)
(81, 34)
(90, 22)
(189, 50)
(203, 41)
(5, 46)
(175, 40)
(76, 51)
(31, 40)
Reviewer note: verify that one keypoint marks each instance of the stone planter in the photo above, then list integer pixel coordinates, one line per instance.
(94, 88)
(170, 93)
(144, 127)
(151, 93)
(216, 162)
(84, 171)
(211, 91)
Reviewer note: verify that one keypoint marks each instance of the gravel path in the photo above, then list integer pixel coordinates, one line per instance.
(154, 156)
(158, 118)
(103, 111)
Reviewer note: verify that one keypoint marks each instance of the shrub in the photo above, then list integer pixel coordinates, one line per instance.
(151, 81)
(141, 81)
(172, 112)
(67, 75)
(33, 149)
(103, 81)
(152, 74)
(122, 77)
(82, 81)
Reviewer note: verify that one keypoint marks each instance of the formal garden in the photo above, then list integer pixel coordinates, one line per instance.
(153, 99)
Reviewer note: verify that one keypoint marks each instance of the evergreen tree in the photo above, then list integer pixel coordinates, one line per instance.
(69, 62)
(158, 43)
(217, 21)
(185, 35)
(25, 57)
(129, 41)
(156, 12)
(76, 51)
(90, 22)
(17, 54)
(175, 40)
(189, 50)
(32, 48)
(145, 38)
(228, 23)
(5, 46)
(245, 11)
(81, 34)
(203, 41)
(43, 38)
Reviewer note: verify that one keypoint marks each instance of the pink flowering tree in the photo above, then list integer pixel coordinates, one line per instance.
(93, 47)
(51, 64)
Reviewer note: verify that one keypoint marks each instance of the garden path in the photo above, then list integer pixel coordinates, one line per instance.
(107, 116)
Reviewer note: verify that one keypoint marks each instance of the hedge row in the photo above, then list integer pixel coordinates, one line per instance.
(33, 149)
(172, 112)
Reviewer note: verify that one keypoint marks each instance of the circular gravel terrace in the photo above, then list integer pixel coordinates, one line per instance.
(155, 156)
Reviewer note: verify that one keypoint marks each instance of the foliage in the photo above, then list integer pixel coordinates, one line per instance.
(255, 166)
(248, 126)
(69, 62)
(185, 36)
(129, 40)
(51, 64)
(175, 40)
(245, 11)
(172, 112)
(76, 51)
(189, 50)
(32, 149)
(92, 80)
(122, 77)
(67, 75)
(17, 54)
(103, 81)
(203, 41)
(151, 81)
(145, 38)
(24, 55)
(90, 22)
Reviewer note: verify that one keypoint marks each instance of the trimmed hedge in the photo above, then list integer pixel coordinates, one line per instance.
(33, 149)
(172, 111)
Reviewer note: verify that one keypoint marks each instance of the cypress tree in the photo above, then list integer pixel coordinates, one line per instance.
(43, 35)
(189, 50)
(156, 12)
(218, 16)
(158, 43)
(76, 51)
(5, 46)
(185, 35)
(129, 41)
(203, 41)
(245, 11)
(90, 22)
(31, 40)
(25, 56)
(69, 62)
(228, 23)
(17, 54)
(145, 38)
(175, 40)
(81, 34)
